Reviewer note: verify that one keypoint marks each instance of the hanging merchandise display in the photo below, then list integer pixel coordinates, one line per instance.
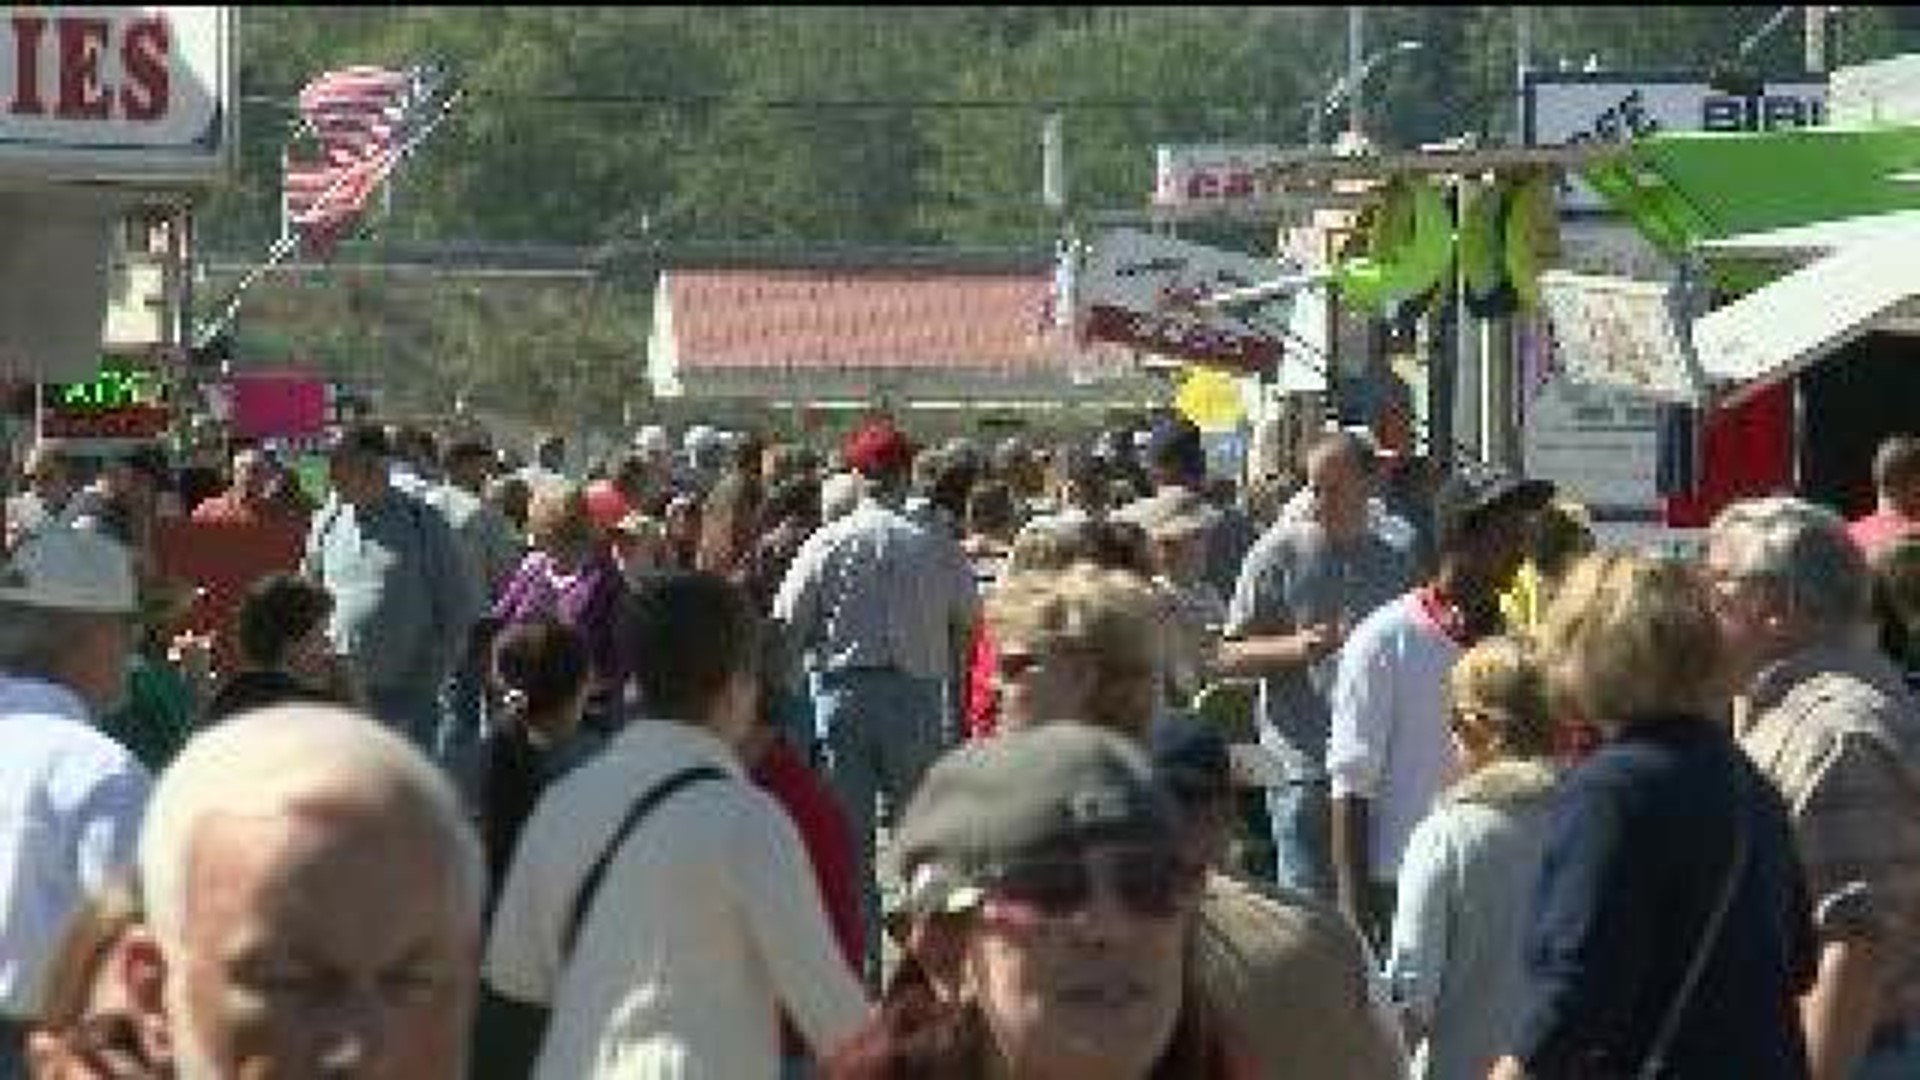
(1485, 286)
(1409, 248)
(1532, 234)
(1406, 243)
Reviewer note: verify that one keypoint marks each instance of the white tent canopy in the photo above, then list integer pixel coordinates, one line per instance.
(1819, 238)
(1776, 331)
(1861, 276)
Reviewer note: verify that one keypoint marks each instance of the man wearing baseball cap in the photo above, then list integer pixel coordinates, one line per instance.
(1388, 749)
(882, 607)
(71, 799)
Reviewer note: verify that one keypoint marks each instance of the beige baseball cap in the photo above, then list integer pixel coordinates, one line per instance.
(65, 569)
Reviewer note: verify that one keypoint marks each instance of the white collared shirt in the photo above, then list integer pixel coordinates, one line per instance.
(71, 801)
(707, 924)
(1389, 742)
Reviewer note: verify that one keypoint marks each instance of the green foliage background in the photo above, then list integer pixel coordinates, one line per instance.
(825, 126)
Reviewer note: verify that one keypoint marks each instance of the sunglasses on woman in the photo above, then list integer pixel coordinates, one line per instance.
(1013, 666)
(1150, 883)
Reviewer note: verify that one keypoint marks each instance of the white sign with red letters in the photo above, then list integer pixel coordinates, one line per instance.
(1145, 290)
(116, 93)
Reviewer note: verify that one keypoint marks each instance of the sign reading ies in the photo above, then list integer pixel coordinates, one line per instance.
(116, 92)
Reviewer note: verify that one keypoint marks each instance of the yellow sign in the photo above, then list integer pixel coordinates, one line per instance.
(1210, 398)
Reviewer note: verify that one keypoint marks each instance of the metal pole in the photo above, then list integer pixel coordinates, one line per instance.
(1356, 41)
(1522, 62)
(1816, 39)
(1500, 403)
(1469, 360)
(1443, 343)
(1053, 157)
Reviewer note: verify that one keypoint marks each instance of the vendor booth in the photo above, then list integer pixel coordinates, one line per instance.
(1793, 316)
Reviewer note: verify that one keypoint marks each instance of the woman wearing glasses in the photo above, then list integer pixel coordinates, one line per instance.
(1046, 909)
(1083, 642)
(1087, 643)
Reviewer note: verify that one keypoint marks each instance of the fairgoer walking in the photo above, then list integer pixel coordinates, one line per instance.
(403, 602)
(882, 608)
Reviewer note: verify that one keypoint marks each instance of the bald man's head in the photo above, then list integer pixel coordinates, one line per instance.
(290, 760)
(313, 897)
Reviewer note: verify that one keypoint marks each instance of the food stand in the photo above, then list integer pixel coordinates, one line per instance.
(1789, 361)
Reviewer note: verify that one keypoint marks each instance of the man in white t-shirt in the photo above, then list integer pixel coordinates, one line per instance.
(1389, 752)
(705, 924)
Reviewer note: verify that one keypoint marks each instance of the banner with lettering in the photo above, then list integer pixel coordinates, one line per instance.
(1566, 108)
(100, 93)
(1144, 290)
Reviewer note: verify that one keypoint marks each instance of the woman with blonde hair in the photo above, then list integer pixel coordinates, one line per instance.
(570, 575)
(1039, 550)
(1082, 642)
(1454, 964)
(1670, 932)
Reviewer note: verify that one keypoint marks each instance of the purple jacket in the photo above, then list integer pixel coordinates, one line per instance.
(589, 602)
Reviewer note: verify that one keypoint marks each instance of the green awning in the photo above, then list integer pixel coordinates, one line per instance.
(1686, 187)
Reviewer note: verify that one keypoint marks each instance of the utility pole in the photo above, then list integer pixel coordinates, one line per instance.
(1522, 63)
(1816, 15)
(1356, 54)
(1053, 157)
(1499, 338)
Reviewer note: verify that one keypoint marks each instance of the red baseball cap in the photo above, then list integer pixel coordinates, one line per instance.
(605, 505)
(877, 449)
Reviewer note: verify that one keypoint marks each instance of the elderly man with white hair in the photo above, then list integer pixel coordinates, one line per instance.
(313, 900)
(70, 797)
(1831, 723)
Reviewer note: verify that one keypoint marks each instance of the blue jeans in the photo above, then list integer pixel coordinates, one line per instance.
(462, 728)
(881, 729)
(1895, 1060)
(1301, 815)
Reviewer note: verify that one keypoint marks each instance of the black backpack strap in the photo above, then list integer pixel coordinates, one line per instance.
(589, 885)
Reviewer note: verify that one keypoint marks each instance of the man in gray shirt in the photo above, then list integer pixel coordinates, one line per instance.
(883, 609)
(403, 601)
(1304, 585)
(487, 540)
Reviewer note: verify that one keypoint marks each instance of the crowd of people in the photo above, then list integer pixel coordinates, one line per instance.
(732, 758)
